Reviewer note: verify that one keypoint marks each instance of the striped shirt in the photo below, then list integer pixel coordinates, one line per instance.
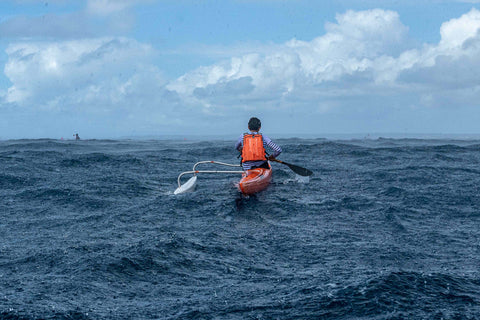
(267, 143)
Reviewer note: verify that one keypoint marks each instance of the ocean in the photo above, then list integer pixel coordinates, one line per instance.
(384, 229)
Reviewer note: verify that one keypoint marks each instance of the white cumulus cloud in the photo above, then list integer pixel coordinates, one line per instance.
(456, 31)
(350, 48)
(89, 73)
(364, 54)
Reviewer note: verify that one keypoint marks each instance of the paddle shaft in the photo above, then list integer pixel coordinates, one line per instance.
(298, 170)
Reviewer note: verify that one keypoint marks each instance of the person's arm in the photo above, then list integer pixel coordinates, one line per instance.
(273, 146)
(238, 145)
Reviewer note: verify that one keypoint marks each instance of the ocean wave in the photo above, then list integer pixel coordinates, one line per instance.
(384, 229)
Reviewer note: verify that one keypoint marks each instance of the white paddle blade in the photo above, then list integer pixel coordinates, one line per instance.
(188, 186)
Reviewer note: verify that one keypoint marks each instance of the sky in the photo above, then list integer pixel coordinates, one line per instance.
(140, 68)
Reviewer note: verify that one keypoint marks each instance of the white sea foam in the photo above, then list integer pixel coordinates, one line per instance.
(301, 179)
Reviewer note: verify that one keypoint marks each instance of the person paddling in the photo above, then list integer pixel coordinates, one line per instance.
(252, 145)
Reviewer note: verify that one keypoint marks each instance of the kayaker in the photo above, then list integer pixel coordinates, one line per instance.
(253, 150)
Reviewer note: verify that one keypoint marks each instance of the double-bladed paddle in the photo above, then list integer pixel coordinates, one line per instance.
(298, 170)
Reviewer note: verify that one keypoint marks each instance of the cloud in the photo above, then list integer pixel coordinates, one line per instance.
(363, 55)
(456, 31)
(240, 86)
(103, 80)
(366, 33)
(447, 73)
(350, 48)
(90, 73)
(459, 45)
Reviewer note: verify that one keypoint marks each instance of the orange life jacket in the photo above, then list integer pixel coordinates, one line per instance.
(253, 149)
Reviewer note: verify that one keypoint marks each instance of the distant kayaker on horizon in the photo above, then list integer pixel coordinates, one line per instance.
(252, 145)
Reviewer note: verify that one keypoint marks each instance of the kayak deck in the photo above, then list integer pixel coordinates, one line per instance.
(255, 180)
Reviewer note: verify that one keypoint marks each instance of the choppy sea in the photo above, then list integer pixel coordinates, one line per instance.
(384, 229)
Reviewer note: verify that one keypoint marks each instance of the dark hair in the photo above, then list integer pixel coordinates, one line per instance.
(254, 124)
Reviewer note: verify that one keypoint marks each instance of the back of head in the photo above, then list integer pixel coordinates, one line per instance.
(254, 124)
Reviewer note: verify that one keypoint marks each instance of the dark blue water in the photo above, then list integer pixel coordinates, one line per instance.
(385, 229)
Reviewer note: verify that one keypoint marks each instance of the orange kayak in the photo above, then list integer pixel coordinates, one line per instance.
(255, 180)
